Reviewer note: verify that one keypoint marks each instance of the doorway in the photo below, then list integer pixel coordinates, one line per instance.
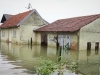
(43, 39)
(97, 46)
(88, 45)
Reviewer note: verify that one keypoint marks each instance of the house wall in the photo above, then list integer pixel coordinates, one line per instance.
(31, 23)
(51, 41)
(5, 37)
(24, 33)
(16, 39)
(73, 40)
(8, 33)
(90, 33)
(38, 38)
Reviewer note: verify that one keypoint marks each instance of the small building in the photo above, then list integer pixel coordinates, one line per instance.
(78, 33)
(18, 28)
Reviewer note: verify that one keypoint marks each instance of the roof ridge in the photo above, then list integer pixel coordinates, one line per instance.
(21, 13)
(78, 17)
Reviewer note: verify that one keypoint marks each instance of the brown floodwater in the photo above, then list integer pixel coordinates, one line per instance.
(22, 59)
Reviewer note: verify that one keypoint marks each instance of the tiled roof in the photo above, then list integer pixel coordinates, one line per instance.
(15, 19)
(70, 24)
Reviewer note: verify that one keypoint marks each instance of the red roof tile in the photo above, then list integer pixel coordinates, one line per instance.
(70, 24)
(14, 20)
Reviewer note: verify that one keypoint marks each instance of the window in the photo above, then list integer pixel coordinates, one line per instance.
(3, 33)
(14, 33)
(88, 45)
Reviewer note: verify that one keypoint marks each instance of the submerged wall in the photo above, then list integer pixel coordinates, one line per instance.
(90, 33)
(10, 35)
(72, 39)
(23, 34)
(27, 34)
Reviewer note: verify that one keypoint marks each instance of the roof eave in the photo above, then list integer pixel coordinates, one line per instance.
(9, 27)
(56, 31)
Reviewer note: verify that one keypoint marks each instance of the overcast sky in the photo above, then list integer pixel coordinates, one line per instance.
(52, 10)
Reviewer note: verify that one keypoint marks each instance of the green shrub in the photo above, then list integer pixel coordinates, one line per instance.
(45, 67)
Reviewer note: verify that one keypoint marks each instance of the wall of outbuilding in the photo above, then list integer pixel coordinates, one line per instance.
(73, 39)
(90, 33)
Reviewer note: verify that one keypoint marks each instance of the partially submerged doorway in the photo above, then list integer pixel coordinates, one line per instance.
(43, 39)
(97, 46)
(88, 45)
(88, 48)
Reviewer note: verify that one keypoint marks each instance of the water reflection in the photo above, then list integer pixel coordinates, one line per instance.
(23, 58)
(96, 52)
(89, 64)
(67, 55)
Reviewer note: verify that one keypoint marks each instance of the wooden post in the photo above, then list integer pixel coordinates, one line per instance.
(31, 43)
(59, 56)
(57, 43)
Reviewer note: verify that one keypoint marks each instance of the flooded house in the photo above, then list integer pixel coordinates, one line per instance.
(78, 33)
(18, 28)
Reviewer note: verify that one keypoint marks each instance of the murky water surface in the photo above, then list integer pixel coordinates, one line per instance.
(20, 60)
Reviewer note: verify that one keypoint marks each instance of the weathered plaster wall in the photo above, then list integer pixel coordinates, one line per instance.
(5, 37)
(51, 41)
(17, 38)
(9, 32)
(26, 33)
(73, 39)
(90, 33)
(38, 38)
(32, 22)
